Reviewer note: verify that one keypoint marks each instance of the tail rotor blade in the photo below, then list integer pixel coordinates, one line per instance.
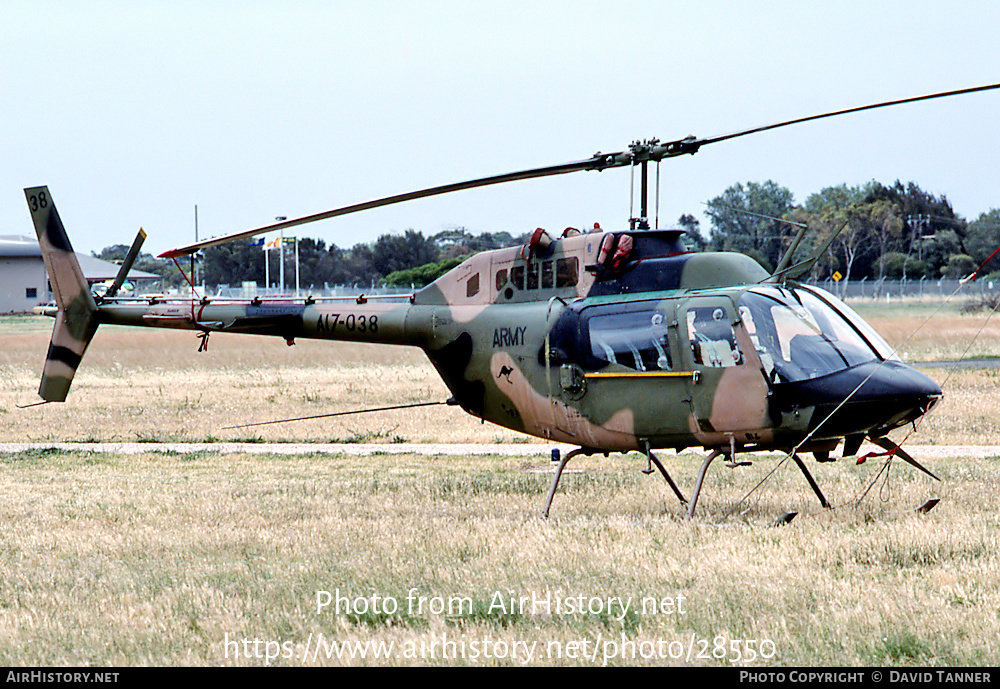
(126, 266)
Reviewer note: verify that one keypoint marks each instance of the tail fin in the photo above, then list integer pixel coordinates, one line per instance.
(77, 319)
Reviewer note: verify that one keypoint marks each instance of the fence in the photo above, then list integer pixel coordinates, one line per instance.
(908, 289)
(855, 289)
(249, 290)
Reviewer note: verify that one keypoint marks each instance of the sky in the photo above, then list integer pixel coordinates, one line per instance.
(134, 113)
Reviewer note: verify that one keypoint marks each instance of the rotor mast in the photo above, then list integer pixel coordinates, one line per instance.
(640, 157)
(641, 153)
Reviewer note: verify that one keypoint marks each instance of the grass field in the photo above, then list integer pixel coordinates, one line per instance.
(162, 559)
(215, 559)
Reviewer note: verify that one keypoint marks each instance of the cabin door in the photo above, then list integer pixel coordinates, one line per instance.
(628, 374)
(728, 393)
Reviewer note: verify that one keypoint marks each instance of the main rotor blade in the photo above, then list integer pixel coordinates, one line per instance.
(599, 161)
(861, 108)
(637, 153)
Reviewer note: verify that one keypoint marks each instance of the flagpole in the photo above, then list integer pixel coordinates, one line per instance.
(193, 278)
(281, 253)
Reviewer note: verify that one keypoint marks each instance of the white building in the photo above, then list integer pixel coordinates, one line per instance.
(24, 283)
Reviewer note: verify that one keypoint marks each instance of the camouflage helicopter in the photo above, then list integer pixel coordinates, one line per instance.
(611, 341)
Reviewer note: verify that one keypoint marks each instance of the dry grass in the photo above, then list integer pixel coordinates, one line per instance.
(155, 559)
(935, 331)
(944, 338)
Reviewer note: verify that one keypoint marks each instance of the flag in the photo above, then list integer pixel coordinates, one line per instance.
(273, 244)
(258, 242)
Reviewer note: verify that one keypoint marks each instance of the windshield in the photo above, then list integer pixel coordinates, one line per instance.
(802, 334)
(867, 332)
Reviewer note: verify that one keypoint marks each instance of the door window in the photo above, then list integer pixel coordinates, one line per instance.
(713, 342)
(637, 340)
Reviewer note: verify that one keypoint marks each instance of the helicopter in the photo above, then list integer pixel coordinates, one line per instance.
(610, 341)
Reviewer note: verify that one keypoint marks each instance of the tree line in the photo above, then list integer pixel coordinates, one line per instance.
(883, 232)
(891, 232)
(393, 259)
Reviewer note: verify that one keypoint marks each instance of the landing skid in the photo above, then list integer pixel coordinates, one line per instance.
(715, 453)
(653, 461)
(812, 482)
(673, 486)
(729, 453)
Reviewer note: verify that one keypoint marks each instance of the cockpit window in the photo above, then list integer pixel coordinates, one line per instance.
(800, 336)
(637, 340)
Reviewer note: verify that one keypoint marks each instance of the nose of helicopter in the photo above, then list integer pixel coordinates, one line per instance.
(870, 397)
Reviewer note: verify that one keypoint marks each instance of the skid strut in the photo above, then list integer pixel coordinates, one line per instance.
(673, 486)
(701, 479)
(585, 451)
(555, 479)
(812, 482)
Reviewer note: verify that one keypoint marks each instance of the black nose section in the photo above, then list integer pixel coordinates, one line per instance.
(870, 398)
